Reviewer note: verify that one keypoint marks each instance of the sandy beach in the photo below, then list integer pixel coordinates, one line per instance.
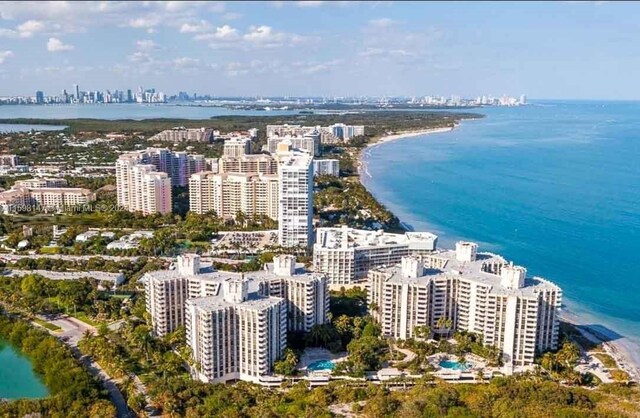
(361, 163)
(625, 351)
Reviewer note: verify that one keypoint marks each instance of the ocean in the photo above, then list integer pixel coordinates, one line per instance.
(553, 186)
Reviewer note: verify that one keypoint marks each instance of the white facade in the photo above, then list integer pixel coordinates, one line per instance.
(181, 134)
(22, 198)
(346, 255)
(326, 167)
(485, 296)
(295, 194)
(236, 322)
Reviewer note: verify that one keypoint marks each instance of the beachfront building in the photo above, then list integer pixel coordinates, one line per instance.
(295, 195)
(236, 323)
(167, 290)
(327, 167)
(229, 194)
(309, 142)
(479, 293)
(346, 254)
(345, 132)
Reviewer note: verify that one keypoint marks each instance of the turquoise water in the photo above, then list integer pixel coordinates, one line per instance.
(17, 379)
(554, 186)
(321, 365)
(453, 365)
(127, 111)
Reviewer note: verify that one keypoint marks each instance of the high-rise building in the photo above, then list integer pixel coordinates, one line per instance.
(248, 164)
(236, 323)
(295, 210)
(76, 89)
(228, 194)
(173, 169)
(346, 255)
(309, 142)
(479, 294)
(237, 147)
(39, 97)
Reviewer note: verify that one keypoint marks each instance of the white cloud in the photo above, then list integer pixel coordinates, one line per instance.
(140, 57)
(146, 45)
(24, 30)
(383, 22)
(56, 45)
(183, 62)
(4, 55)
(199, 27)
(144, 22)
(224, 33)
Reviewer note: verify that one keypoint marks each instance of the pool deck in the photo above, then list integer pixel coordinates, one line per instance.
(311, 355)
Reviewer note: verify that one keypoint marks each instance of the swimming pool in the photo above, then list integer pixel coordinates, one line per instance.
(454, 365)
(321, 365)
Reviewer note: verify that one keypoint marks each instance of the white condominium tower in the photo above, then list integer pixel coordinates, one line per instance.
(144, 178)
(479, 293)
(248, 164)
(346, 255)
(295, 214)
(229, 194)
(235, 335)
(236, 322)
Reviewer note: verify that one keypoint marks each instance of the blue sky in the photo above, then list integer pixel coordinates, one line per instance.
(545, 50)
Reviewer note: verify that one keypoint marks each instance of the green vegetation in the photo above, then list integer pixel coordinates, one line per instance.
(47, 325)
(345, 201)
(74, 393)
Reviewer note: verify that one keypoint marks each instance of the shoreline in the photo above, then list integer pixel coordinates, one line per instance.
(624, 351)
(361, 164)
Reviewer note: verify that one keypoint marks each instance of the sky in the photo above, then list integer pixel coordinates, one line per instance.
(562, 50)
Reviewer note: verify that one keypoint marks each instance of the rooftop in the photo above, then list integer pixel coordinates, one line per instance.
(344, 237)
(479, 271)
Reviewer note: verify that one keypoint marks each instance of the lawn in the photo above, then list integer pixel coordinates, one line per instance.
(47, 325)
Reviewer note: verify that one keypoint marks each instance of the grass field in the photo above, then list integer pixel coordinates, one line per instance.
(47, 325)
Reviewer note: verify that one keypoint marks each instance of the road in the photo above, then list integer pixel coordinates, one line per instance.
(72, 332)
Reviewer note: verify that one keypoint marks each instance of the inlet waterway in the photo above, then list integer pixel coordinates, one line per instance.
(17, 378)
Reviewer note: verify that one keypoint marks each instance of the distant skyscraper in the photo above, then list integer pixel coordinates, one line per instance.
(76, 89)
(39, 97)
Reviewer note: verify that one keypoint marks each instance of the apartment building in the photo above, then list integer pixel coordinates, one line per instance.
(236, 323)
(346, 254)
(479, 293)
(9, 160)
(250, 163)
(295, 195)
(236, 147)
(182, 134)
(229, 194)
(144, 178)
(309, 142)
(26, 195)
(326, 167)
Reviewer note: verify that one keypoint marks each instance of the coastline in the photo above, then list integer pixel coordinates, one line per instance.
(361, 164)
(623, 350)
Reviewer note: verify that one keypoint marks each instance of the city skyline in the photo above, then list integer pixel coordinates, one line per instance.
(323, 48)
